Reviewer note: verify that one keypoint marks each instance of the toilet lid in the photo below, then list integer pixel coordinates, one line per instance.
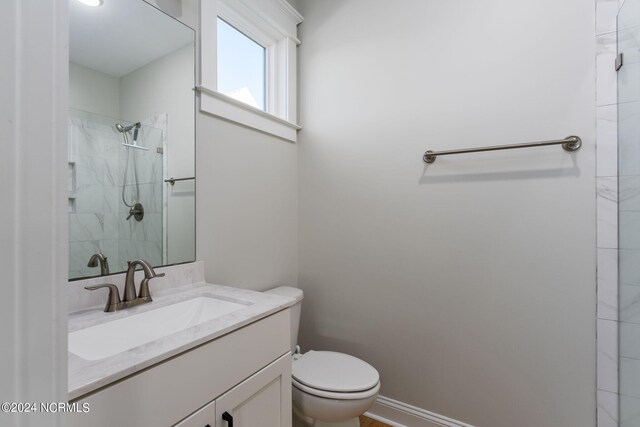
(331, 371)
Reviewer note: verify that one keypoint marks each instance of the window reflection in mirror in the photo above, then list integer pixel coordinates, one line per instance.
(131, 128)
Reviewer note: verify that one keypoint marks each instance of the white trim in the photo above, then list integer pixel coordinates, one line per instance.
(263, 17)
(208, 44)
(273, 25)
(399, 414)
(258, 26)
(288, 11)
(33, 221)
(245, 20)
(223, 106)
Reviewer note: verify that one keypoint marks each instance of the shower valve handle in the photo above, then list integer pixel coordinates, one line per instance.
(137, 212)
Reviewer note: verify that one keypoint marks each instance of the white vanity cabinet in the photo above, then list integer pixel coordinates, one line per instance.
(245, 373)
(264, 399)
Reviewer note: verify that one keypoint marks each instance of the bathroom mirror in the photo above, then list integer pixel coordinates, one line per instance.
(131, 137)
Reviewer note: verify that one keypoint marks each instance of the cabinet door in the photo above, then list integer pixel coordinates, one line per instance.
(264, 399)
(204, 417)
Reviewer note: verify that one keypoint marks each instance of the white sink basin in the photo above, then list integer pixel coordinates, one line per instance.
(107, 339)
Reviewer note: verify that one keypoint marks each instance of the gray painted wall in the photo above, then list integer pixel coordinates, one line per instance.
(246, 206)
(246, 196)
(469, 284)
(91, 90)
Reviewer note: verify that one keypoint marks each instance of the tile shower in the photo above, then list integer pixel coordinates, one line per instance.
(628, 38)
(607, 221)
(97, 214)
(618, 184)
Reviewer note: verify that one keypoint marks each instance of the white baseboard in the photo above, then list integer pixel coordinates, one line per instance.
(399, 414)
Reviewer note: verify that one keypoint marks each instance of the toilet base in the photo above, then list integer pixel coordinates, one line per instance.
(354, 422)
(300, 420)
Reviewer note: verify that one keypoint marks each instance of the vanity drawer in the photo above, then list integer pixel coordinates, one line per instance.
(167, 392)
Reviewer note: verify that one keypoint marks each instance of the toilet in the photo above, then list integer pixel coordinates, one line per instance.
(329, 389)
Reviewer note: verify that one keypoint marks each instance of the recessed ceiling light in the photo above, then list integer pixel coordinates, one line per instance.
(91, 2)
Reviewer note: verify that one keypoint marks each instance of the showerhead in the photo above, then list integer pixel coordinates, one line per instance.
(123, 129)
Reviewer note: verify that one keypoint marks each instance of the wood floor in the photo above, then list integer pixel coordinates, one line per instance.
(368, 422)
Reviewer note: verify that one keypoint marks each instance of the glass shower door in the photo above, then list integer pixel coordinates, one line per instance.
(629, 213)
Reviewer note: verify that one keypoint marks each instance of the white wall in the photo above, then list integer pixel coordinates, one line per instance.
(165, 86)
(93, 91)
(246, 206)
(33, 220)
(469, 283)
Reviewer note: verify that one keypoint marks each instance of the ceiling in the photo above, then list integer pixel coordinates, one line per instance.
(122, 35)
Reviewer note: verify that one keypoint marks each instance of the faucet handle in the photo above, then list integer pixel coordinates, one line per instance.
(144, 287)
(113, 301)
(154, 274)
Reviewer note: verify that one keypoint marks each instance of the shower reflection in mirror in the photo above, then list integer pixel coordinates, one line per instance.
(131, 126)
(136, 208)
(116, 189)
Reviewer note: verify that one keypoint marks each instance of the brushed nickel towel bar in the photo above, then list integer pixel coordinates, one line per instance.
(172, 181)
(570, 143)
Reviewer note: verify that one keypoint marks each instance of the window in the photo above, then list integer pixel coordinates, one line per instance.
(241, 66)
(248, 63)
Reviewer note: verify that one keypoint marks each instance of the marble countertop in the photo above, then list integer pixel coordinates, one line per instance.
(89, 375)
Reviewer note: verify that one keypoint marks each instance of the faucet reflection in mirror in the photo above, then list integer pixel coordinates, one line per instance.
(102, 261)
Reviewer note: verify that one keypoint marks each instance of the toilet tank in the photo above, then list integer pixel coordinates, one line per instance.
(297, 294)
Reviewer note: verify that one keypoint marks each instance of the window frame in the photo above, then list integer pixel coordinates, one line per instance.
(273, 25)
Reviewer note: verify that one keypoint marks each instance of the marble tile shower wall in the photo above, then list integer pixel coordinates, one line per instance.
(97, 214)
(142, 239)
(629, 216)
(607, 212)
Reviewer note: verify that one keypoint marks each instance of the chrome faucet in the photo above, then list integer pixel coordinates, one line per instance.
(102, 259)
(129, 297)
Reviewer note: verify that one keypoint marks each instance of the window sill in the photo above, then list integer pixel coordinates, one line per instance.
(223, 106)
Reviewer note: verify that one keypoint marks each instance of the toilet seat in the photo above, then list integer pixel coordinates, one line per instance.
(336, 395)
(334, 375)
